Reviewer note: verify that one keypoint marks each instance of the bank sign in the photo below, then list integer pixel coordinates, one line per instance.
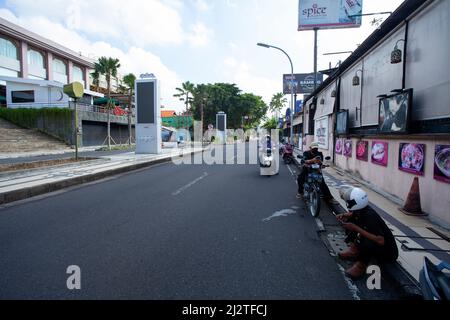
(303, 83)
(329, 14)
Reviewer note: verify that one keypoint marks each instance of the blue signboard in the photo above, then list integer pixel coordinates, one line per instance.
(298, 106)
(288, 114)
(280, 123)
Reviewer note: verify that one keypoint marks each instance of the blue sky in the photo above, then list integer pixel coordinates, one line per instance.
(197, 40)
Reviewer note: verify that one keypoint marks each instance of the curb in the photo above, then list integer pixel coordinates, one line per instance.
(25, 193)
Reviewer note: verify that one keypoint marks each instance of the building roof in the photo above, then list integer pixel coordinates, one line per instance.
(168, 113)
(40, 42)
(397, 18)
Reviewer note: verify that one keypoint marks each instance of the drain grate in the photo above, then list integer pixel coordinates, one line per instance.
(337, 242)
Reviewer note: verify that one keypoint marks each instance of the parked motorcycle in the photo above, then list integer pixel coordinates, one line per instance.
(287, 153)
(434, 282)
(312, 191)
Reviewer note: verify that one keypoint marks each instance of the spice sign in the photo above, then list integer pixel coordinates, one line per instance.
(321, 132)
(329, 14)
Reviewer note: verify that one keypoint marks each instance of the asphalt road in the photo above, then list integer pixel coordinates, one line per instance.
(169, 232)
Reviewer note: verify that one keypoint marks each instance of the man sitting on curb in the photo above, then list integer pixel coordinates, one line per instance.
(369, 236)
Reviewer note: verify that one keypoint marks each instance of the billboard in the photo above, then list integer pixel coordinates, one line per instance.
(303, 83)
(329, 14)
(146, 101)
(321, 132)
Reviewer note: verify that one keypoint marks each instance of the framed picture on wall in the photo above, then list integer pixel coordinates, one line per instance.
(442, 163)
(411, 158)
(362, 150)
(348, 146)
(342, 122)
(394, 112)
(380, 153)
(339, 146)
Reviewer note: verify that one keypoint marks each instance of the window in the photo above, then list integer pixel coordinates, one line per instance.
(22, 96)
(77, 74)
(59, 67)
(8, 49)
(35, 58)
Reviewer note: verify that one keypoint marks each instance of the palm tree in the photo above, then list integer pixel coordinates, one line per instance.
(277, 103)
(129, 80)
(96, 76)
(186, 93)
(108, 67)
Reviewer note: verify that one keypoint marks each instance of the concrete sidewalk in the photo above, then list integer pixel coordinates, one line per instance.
(24, 184)
(416, 237)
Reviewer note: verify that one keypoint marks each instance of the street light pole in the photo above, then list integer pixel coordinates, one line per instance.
(292, 86)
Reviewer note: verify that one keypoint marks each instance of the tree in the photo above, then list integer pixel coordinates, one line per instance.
(185, 93)
(209, 99)
(277, 103)
(96, 76)
(108, 67)
(129, 80)
(270, 124)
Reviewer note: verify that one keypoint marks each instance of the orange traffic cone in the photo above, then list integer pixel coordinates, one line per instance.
(413, 206)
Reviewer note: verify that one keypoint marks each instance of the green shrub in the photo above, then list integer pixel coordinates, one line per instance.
(56, 122)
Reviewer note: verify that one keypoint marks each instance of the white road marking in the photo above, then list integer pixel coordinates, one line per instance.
(351, 286)
(320, 224)
(179, 191)
(281, 213)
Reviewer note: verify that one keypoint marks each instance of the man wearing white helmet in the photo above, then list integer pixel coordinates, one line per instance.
(368, 235)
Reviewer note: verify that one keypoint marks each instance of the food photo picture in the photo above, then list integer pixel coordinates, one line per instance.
(339, 146)
(362, 151)
(412, 158)
(442, 163)
(348, 146)
(379, 153)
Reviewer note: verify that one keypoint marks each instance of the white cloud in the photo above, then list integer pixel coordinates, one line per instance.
(201, 35)
(201, 5)
(134, 59)
(134, 22)
(243, 76)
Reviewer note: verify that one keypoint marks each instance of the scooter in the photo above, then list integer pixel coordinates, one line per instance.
(287, 153)
(434, 282)
(268, 159)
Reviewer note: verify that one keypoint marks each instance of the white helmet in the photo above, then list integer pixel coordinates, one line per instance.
(355, 198)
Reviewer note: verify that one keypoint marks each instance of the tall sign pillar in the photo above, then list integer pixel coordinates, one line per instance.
(148, 115)
(221, 125)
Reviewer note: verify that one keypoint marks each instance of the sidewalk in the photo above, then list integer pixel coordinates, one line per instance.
(19, 185)
(416, 237)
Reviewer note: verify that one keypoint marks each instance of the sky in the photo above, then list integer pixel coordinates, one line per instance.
(201, 41)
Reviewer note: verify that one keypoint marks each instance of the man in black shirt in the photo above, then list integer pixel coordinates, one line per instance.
(369, 236)
(311, 157)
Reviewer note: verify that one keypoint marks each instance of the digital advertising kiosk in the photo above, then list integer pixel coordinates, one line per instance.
(148, 115)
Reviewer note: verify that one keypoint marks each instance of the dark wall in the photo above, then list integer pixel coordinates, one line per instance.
(94, 133)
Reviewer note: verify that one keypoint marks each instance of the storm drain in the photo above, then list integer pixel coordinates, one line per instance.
(337, 242)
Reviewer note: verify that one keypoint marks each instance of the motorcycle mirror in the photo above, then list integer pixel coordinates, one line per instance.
(328, 158)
